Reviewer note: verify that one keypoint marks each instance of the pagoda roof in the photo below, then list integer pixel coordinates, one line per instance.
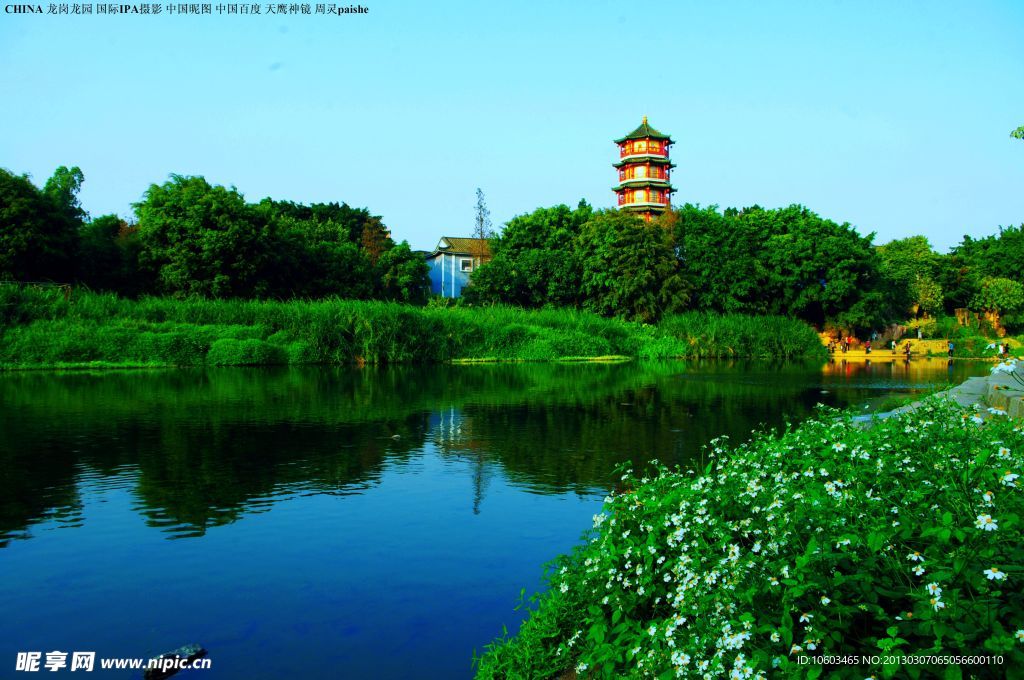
(644, 158)
(645, 131)
(641, 183)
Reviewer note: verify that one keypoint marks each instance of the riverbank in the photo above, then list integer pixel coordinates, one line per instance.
(969, 348)
(829, 539)
(43, 329)
(999, 394)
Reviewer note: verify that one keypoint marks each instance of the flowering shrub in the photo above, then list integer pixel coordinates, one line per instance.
(830, 539)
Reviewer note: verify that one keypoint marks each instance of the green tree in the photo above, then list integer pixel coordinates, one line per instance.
(38, 238)
(720, 256)
(534, 260)
(62, 188)
(629, 268)
(205, 240)
(101, 261)
(1018, 133)
(787, 261)
(997, 296)
(909, 267)
(999, 255)
(404, 275)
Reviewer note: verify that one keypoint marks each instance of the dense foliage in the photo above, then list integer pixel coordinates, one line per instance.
(43, 328)
(191, 238)
(786, 261)
(196, 239)
(831, 539)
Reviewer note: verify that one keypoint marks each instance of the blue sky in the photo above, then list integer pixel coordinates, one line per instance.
(893, 116)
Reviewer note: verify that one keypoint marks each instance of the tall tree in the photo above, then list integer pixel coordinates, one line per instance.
(375, 240)
(205, 240)
(482, 230)
(534, 260)
(998, 296)
(38, 237)
(909, 267)
(1018, 133)
(629, 268)
(62, 188)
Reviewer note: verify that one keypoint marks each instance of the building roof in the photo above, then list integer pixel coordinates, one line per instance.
(645, 131)
(644, 158)
(460, 245)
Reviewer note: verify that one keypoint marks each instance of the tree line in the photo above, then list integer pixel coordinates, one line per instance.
(788, 261)
(191, 238)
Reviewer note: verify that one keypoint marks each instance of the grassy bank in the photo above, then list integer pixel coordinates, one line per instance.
(40, 328)
(833, 540)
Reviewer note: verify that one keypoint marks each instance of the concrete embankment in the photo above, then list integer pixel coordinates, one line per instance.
(999, 390)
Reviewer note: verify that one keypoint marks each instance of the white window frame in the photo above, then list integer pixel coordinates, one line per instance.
(463, 261)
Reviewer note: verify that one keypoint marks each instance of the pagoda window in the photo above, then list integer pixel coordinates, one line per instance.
(640, 196)
(641, 171)
(622, 174)
(655, 146)
(640, 146)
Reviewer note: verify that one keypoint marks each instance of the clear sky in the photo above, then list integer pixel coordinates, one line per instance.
(893, 116)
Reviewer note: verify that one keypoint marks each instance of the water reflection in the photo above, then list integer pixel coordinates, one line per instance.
(200, 449)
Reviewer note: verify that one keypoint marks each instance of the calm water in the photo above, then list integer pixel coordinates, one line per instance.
(324, 523)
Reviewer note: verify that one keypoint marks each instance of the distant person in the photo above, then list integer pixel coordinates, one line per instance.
(951, 346)
(1004, 350)
(918, 332)
(892, 343)
(867, 347)
(906, 350)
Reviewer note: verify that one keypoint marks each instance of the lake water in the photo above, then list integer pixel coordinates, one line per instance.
(330, 523)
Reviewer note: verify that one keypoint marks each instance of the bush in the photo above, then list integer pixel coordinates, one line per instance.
(830, 539)
(232, 352)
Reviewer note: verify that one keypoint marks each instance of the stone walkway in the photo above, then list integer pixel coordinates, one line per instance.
(997, 390)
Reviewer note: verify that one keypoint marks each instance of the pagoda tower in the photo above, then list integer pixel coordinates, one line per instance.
(644, 172)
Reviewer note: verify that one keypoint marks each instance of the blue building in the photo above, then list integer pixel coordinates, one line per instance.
(452, 263)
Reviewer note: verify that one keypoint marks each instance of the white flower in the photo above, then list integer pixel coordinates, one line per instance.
(804, 618)
(582, 667)
(652, 630)
(1009, 479)
(915, 557)
(775, 637)
(825, 600)
(918, 570)
(986, 523)
(1019, 635)
(937, 604)
(994, 574)
(1003, 452)
(934, 589)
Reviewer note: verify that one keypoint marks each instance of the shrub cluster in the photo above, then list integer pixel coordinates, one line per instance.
(41, 327)
(830, 539)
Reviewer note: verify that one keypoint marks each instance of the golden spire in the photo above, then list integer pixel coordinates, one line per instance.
(645, 121)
